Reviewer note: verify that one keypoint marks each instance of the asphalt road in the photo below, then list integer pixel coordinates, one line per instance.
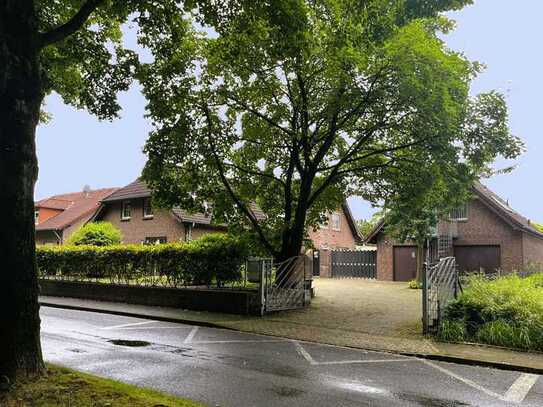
(225, 368)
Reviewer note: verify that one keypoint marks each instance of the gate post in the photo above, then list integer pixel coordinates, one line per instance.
(262, 287)
(425, 299)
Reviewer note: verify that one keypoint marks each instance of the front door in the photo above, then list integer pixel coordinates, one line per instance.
(405, 263)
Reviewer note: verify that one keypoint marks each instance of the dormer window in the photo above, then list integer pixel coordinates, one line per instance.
(460, 213)
(126, 210)
(147, 209)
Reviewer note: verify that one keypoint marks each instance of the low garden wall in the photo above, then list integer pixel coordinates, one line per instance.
(230, 301)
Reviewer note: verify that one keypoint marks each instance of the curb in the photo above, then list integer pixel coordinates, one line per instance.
(435, 357)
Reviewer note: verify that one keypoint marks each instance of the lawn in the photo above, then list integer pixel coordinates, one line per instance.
(506, 311)
(61, 387)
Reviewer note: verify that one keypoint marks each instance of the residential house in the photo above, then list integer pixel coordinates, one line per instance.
(57, 217)
(484, 234)
(130, 210)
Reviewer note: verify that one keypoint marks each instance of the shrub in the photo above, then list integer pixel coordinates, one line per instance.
(96, 234)
(507, 311)
(415, 284)
(215, 258)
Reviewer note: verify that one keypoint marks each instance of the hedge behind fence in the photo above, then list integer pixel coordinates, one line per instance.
(215, 258)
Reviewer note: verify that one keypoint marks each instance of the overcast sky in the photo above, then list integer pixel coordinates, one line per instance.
(75, 148)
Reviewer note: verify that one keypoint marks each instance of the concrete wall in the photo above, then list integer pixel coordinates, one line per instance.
(325, 237)
(225, 301)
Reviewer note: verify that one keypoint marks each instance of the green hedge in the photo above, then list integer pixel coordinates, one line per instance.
(96, 234)
(507, 311)
(215, 258)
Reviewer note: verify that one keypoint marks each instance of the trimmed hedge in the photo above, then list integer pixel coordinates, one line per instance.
(215, 258)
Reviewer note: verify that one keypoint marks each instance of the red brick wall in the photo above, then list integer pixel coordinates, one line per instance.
(532, 248)
(483, 227)
(137, 229)
(327, 238)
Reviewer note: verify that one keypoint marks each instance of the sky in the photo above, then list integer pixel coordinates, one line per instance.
(76, 149)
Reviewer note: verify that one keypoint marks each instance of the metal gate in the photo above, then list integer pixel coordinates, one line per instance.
(282, 286)
(440, 286)
(354, 263)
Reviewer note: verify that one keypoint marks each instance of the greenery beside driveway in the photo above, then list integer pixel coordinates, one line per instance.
(65, 387)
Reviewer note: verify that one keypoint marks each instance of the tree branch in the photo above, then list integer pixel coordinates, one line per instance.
(71, 26)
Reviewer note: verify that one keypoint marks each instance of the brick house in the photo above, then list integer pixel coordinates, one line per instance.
(57, 217)
(129, 209)
(484, 234)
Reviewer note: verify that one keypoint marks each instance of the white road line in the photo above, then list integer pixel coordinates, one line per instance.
(462, 379)
(191, 334)
(348, 362)
(238, 341)
(126, 325)
(300, 349)
(520, 388)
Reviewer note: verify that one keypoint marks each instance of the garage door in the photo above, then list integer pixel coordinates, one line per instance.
(477, 258)
(405, 263)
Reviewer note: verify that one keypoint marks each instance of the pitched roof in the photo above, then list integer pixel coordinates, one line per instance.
(351, 221)
(494, 203)
(74, 206)
(136, 189)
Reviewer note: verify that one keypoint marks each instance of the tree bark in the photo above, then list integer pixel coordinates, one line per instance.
(21, 95)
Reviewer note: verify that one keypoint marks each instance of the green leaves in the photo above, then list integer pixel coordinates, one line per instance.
(294, 105)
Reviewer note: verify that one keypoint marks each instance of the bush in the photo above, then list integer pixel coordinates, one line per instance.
(415, 284)
(96, 234)
(507, 311)
(211, 259)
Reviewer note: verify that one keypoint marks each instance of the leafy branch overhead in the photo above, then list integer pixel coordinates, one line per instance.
(295, 105)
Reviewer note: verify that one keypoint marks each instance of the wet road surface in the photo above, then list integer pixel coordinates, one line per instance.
(231, 369)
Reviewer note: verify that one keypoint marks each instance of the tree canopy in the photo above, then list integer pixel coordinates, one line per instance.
(294, 105)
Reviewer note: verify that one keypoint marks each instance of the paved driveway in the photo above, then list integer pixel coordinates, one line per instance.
(225, 368)
(365, 306)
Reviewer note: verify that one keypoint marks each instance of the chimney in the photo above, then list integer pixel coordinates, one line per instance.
(87, 190)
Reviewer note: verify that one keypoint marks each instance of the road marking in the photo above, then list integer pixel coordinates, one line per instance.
(462, 379)
(240, 341)
(348, 362)
(305, 354)
(126, 325)
(191, 334)
(520, 388)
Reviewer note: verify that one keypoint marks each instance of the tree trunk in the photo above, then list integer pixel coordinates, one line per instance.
(21, 94)
(420, 261)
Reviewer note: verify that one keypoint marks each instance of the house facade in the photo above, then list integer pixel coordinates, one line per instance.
(57, 217)
(129, 209)
(485, 234)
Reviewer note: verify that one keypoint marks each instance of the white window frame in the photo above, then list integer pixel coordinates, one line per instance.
(333, 218)
(36, 216)
(147, 205)
(456, 218)
(124, 204)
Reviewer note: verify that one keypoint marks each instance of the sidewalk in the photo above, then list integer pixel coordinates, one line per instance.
(291, 325)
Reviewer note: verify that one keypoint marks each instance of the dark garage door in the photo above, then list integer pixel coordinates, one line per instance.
(476, 258)
(405, 263)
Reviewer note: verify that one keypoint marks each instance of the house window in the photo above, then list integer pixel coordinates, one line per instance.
(147, 208)
(188, 233)
(459, 213)
(336, 221)
(126, 210)
(36, 216)
(155, 240)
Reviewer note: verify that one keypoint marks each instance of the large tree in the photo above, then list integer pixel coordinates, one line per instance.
(297, 104)
(73, 48)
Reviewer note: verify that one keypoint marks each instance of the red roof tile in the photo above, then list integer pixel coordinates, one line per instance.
(74, 206)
